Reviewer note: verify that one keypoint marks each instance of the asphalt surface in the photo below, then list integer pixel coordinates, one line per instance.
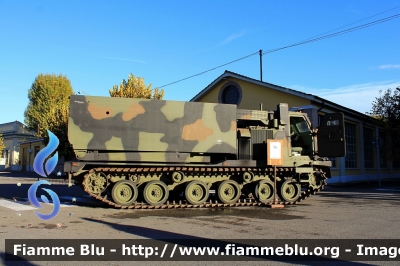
(354, 211)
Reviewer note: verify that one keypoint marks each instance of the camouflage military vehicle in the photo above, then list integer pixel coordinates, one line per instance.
(140, 153)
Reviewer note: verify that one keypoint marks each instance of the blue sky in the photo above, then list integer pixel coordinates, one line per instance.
(96, 44)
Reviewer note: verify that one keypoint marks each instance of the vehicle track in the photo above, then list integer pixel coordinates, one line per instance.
(175, 204)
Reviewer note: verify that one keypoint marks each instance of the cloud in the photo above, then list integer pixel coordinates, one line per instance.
(233, 37)
(389, 66)
(226, 41)
(358, 97)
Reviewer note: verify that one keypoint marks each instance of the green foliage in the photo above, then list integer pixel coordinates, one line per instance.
(135, 88)
(2, 147)
(48, 108)
(386, 108)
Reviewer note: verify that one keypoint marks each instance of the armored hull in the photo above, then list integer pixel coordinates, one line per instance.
(139, 153)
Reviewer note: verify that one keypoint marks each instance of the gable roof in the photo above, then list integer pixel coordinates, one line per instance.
(228, 74)
(15, 129)
(313, 98)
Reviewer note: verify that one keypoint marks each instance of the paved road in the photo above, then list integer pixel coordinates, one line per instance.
(357, 212)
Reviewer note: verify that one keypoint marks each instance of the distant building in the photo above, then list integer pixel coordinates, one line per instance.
(27, 152)
(366, 142)
(13, 133)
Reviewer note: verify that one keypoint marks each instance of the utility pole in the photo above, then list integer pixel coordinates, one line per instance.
(260, 64)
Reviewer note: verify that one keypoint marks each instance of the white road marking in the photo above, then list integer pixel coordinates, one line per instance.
(20, 206)
(15, 206)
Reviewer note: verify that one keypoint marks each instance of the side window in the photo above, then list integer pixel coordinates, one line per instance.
(300, 134)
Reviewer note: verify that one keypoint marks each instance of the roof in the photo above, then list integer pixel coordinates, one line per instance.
(313, 98)
(15, 129)
(228, 74)
(31, 140)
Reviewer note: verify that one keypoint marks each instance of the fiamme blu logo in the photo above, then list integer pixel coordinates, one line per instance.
(44, 167)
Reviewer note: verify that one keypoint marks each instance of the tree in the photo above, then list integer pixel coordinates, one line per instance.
(386, 108)
(48, 109)
(135, 88)
(2, 147)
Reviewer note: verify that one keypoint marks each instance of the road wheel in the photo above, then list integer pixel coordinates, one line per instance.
(124, 192)
(196, 192)
(264, 191)
(290, 191)
(155, 193)
(228, 191)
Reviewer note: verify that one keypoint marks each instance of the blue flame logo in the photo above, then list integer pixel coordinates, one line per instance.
(44, 153)
(50, 164)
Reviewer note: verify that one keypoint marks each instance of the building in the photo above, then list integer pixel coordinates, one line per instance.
(27, 152)
(13, 133)
(366, 142)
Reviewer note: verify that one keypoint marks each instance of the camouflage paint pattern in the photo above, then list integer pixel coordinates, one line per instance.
(146, 130)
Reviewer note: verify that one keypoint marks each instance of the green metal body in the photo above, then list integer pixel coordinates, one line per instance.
(129, 134)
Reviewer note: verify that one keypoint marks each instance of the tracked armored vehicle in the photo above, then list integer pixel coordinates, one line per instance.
(140, 153)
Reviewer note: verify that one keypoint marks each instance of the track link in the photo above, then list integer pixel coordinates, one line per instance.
(183, 204)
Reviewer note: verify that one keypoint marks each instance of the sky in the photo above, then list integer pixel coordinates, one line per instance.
(97, 44)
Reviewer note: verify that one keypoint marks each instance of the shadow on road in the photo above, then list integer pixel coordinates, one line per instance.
(388, 191)
(19, 193)
(193, 241)
(15, 263)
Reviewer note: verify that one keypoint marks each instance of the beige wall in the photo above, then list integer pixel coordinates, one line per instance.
(13, 134)
(254, 94)
(26, 158)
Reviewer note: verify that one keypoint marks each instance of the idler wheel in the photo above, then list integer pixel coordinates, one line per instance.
(124, 192)
(228, 191)
(290, 191)
(264, 191)
(96, 183)
(155, 193)
(196, 192)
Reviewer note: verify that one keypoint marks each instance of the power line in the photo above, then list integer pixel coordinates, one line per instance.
(366, 25)
(353, 23)
(313, 39)
(201, 73)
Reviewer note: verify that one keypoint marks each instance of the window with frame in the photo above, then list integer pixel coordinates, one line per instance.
(368, 147)
(382, 149)
(230, 93)
(351, 147)
(36, 150)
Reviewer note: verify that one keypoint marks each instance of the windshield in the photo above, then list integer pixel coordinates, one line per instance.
(302, 127)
